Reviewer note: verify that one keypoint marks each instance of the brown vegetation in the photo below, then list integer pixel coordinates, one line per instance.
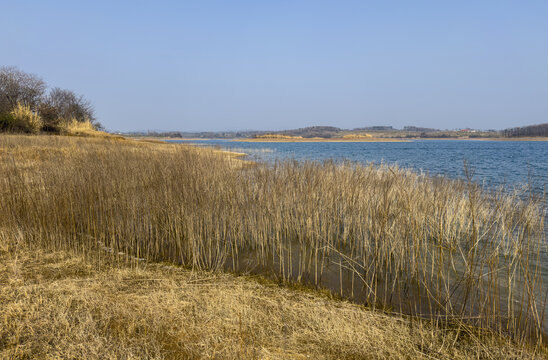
(22, 119)
(357, 136)
(445, 252)
(58, 305)
(26, 108)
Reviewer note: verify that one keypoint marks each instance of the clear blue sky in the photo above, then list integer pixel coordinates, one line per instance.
(232, 65)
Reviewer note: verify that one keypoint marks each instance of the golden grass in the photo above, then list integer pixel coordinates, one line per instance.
(357, 136)
(73, 127)
(445, 251)
(25, 119)
(46, 150)
(78, 128)
(59, 305)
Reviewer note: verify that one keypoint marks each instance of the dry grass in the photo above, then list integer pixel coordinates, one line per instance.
(79, 128)
(62, 306)
(25, 120)
(448, 251)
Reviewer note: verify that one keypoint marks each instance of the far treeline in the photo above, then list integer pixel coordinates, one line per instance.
(28, 105)
(326, 132)
(330, 132)
(532, 130)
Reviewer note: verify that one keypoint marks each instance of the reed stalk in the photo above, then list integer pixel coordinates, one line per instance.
(430, 247)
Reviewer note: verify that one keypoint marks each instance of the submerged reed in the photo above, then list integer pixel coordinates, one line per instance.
(391, 238)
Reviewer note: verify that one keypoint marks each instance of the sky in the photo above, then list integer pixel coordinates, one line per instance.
(271, 65)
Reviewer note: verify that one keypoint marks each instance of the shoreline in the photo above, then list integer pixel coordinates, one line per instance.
(488, 139)
(321, 140)
(536, 139)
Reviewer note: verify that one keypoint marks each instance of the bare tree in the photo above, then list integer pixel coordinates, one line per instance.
(20, 88)
(17, 86)
(61, 104)
(531, 130)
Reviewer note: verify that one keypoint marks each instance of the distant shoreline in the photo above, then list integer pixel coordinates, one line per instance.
(267, 140)
(342, 140)
(489, 139)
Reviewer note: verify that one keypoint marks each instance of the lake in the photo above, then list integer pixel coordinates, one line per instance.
(494, 162)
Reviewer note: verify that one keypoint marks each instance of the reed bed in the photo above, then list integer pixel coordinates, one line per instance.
(396, 240)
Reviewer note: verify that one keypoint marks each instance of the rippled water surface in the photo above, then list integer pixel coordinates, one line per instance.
(494, 162)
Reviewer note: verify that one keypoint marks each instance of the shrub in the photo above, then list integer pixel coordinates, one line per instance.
(7, 121)
(25, 120)
(75, 127)
(50, 118)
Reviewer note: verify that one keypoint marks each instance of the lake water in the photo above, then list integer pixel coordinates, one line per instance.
(494, 162)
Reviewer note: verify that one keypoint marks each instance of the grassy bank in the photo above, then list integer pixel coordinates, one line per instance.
(448, 254)
(58, 305)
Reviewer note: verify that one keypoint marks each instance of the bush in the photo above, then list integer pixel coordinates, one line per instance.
(75, 127)
(25, 107)
(7, 121)
(25, 120)
(50, 118)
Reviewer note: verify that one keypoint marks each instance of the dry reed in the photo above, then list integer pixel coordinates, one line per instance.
(449, 251)
(56, 305)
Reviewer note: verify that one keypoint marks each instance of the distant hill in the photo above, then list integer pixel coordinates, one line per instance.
(419, 129)
(531, 130)
(330, 132)
(312, 131)
(307, 132)
(376, 128)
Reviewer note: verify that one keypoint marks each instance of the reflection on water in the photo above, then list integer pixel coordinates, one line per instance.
(428, 293)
